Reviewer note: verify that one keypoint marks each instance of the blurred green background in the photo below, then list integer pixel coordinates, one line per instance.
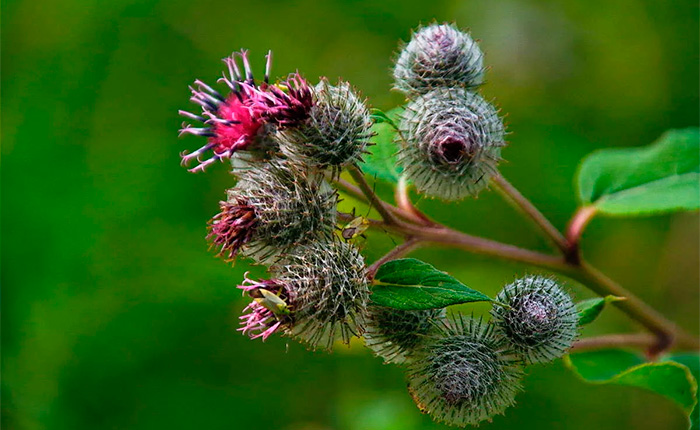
(114, 314)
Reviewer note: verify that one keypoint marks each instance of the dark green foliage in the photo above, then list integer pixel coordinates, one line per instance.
(411, 284)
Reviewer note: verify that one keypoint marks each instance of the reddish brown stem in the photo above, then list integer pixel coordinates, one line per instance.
(513, 196)
(573, 233)
(403, 201)
(665, 332)
(399, 251)
(637, 341)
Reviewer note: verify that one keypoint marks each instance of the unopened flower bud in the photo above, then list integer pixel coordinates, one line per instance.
(439, 55)
(463, 376)
(273, 208)
(453, 143)
(539, 319)
(395, 334)
(328, 282)
(335, 134)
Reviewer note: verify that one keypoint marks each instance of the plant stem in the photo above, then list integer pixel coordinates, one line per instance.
(378, 203)
(357, 193)
(514, 197)
(403, 201)
(399, 251)
(446, 236)
(575, 230)
(636, 340)
(456, 239)
(666, 333)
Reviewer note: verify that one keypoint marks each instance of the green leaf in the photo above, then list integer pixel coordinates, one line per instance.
(588, 310)
(662, 177)
(669, 379)
(692, 361)
(411, 284)
(382, 161)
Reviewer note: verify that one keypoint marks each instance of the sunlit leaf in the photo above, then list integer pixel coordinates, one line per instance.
(692, 361)
(662, 177)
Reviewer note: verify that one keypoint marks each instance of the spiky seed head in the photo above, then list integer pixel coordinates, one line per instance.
(539, 320)
(439, 55)
(463, 376)
(336, 132)
(290, 206)
(453, 143)
(395, 334)
(331, 292)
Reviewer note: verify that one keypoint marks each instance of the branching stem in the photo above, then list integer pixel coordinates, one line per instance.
(573, 233)
(399, 251)
(418, 231)
(378, 203)
(403, 201)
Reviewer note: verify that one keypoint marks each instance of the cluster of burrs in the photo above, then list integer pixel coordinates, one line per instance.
(451, 138)
(284, 140)
(462, 370)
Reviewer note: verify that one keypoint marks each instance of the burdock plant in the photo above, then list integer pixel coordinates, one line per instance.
(290, 141)
(336, 131)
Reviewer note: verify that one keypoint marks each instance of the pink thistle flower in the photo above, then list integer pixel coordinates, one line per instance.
(229, 122)
(269, 309)
(232, 228)
(286, 104)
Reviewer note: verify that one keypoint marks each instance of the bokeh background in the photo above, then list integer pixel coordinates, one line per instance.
(115, 315)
